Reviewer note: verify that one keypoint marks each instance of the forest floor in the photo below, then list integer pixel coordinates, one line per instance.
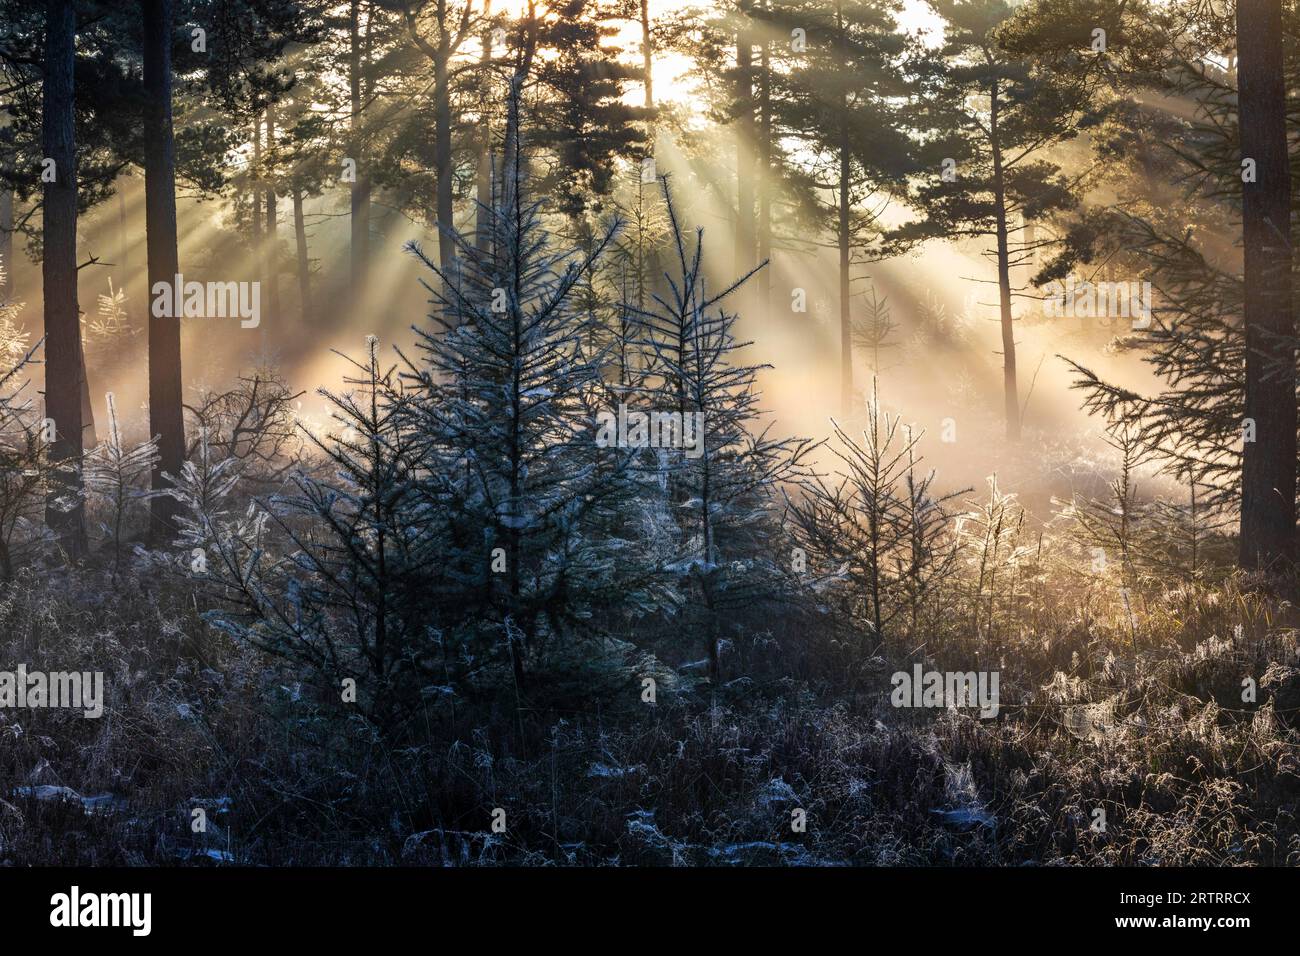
(1127, 743)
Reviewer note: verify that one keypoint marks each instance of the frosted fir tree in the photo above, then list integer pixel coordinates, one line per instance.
(1113, 527)
(635, 267)
(339, 576)
(723, 483)
(13, 340)
(116, 477)
(24, 467)
(205, 526)
(877, 537)
(111, 318)
(1186, 537)
(366, 568)
(505, 393)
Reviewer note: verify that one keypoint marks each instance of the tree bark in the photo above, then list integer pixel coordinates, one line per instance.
(483, 185)
(63, 360)
(440, 55)
(6, 217)
(744, 257)
(442, 142)
(647, 55)
(272, 248)
(1011, 391)
(123, 246)
(1268, 472)
(89, 439)
(846, 310)
(844, 239)
(649, 262)
(257, 178)
(166, 418)
(304, 262)
(360, 202)
(764, 178)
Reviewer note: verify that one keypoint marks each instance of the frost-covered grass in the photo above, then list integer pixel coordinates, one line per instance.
(1141, 717)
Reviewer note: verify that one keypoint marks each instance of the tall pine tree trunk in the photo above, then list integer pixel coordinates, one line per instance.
(442, 137)
(846, 316)
(483, 184)
(1030, 237)
(649, 263)
(1011, 391)
(304, 261)
(764, 179)
(844, 238)
(272, 253)
(63, 363)
(123, 245)
(439, 55)
(442, 149)
(360, 203)
(166, 418)
(1268, 472)
(6, 216)
(744, 257)
(647, 55)
(256, 192)
(89, 439)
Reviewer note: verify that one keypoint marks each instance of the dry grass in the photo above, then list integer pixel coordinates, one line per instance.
(1142, 718)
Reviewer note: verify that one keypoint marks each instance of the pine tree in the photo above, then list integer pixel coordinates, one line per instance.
(1114, 526)
(438, 31)
(581, 116)
(872, 332)
(340, 575)
(64, 366)
(930, 552)
(877, 533)
(13, 340)
(987, 117)
(634, 266)
(1268, 468)
(1187, 538)
(504, 396)
(113, 474)
(990, 537)
(25, 473)
(844, 101)
(1197, 421)
(724, 490)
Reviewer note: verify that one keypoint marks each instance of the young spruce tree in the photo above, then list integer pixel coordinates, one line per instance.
(504, 399)
(723, 489)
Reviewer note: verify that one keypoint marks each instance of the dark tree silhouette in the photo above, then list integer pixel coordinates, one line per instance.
(451, 29)
(841, 100)
(360, 200)
(995, 117)
(7, 212)
(166, 419)
(744, 262)
(64, 512)
(1268, 473)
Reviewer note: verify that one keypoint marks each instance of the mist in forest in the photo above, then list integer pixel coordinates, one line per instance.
(648, 432)
(939, 286)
